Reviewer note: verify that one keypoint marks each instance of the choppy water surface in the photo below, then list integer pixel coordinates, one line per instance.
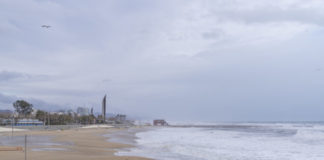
(280, 141)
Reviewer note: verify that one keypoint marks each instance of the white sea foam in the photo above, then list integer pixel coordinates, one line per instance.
(265, 142)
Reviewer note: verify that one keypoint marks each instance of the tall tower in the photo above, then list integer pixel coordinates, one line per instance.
(104, 109)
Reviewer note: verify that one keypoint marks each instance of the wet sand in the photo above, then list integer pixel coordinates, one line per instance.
(83, 144)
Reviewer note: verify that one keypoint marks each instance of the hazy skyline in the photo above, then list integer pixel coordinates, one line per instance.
(208, 60)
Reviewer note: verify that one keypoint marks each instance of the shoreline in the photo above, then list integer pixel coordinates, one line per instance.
(78, 144)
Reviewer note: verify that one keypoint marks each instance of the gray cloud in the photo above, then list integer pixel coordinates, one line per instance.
(203, 60)
(7, 99)
(271, 13)
(6, 76)
(6, 102)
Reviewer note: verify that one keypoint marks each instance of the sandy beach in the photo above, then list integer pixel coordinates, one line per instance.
(84, 144)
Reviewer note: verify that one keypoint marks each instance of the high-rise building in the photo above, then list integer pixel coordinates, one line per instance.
(82, 111)
(104, 108)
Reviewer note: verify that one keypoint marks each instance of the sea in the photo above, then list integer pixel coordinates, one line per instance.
(236, 141)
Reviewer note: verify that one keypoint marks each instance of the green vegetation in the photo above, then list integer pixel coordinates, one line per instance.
(63, 119)
(23, 108)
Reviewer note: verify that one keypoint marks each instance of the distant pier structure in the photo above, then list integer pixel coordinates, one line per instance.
(104, 108)
(160, 122)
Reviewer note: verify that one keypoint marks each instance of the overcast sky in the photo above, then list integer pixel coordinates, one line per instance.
(204, 60)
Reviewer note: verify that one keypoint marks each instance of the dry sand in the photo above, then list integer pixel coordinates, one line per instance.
(97, 126)
(8, 129)
(88, 144)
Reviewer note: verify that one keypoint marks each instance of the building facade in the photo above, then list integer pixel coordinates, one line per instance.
(82, 111)
(104, 108)
(29, 122)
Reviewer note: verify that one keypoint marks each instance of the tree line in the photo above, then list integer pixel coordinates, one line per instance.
(25, 109)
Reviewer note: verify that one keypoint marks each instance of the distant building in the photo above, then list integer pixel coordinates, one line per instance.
(71, 112)
(5, 113)
(82, 111)
(120, 118)
(57, 112)
(61, 113)
(160, 122)
(29, 122)
(4, 121)
(104, 108)
(34, 112)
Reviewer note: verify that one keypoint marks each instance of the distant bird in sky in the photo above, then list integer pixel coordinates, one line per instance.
(46, 26)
